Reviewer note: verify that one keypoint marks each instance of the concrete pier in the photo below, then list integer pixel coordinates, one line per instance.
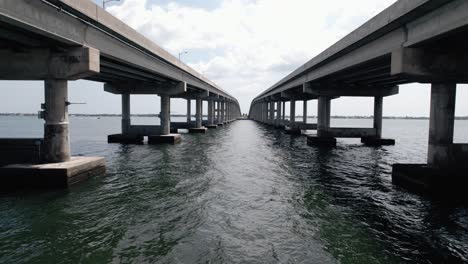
(377, 140)
(291, 129)
(441, 125)
(445, 171)
(323, 137)
(279, 117)
(271, 114)
(189, 110)
(165, 116)
(50, 175)
(211, 115)
(56, 134)
(199, 118)
(125, 137)
(304, 115)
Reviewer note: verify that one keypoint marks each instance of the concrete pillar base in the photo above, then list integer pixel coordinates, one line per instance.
(423, 179)
(321, 141)
(220, 124)
(125, 139)
(293, 131)
(212, 126)
(164, 139)
(373, 141)
(52, 175)
(198, 130)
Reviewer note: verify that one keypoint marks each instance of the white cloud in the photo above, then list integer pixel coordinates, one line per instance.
(256, 42)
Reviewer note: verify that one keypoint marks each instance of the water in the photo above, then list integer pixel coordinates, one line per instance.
(241, 194)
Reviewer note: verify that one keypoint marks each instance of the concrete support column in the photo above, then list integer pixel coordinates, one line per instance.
(199, 112)
(441, 124)
(378, 115)
(292, 112)
(226, 109)
(126, 119)
(271, 118)
(210, 112)
(323, 122)
(56, 134)
(223, 111)
(278, 113)
(189, 110)
(165, 114)
(218, 112)
(304, 115)
(284, 111)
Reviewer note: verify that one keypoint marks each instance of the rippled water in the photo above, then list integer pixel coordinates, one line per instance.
(241, 194)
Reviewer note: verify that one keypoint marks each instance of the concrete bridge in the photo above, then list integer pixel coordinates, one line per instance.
(61, 40)
(412, 41)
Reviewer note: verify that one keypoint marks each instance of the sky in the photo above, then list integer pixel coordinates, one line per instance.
(245, 46)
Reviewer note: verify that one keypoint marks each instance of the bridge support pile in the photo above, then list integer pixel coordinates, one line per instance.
(54, 167)
(327, 135)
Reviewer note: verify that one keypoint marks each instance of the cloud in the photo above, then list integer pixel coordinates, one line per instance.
(255, 43)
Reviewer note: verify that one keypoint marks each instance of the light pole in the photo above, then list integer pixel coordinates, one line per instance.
(104, 2)
(183, 52)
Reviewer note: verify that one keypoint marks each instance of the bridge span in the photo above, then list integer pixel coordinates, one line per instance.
(411, 41)
(57, 41)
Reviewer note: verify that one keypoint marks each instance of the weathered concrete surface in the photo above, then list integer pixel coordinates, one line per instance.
(56, 147)
(52, 175)
(164, 139)
(125, 139)
(212, 126)
(20, 150)
(441, 124)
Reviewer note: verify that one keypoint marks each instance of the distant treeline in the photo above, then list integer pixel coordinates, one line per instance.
(180, 115)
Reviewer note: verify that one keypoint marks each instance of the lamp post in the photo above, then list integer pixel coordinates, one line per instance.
(183, 52)
(104, 2)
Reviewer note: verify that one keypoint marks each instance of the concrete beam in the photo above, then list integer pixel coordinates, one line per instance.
(112, 37)
(146, 88)
(350, 91)
(41, 64)
(428, 66)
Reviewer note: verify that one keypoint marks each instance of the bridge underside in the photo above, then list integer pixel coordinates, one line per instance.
(412, 41)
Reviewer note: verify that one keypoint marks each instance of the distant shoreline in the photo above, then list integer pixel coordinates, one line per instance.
(179, 115)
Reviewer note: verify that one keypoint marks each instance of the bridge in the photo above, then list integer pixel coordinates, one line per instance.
(412, 41)
(57, 41)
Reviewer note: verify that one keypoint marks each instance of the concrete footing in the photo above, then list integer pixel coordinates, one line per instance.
(293, 131)
(164, 139)
(321, 141)
(198, 130)
(212, 126)
(50, 176)
(424, 179)
(373, 141)
(220, 124)
(125, 139)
